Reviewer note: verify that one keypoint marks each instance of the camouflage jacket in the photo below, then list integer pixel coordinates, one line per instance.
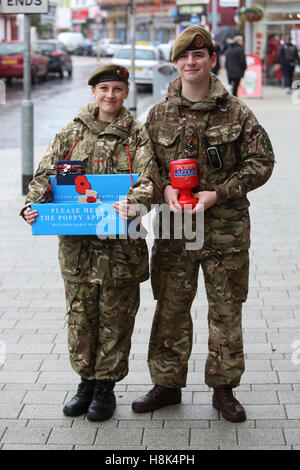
(181, 129)
(87, 258)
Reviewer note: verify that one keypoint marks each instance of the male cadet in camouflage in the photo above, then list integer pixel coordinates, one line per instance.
(198, 113)
(101, 276)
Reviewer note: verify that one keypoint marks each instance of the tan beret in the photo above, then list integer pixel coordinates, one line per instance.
(108, 73)
(191, 38)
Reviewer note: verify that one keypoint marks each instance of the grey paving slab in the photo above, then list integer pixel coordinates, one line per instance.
(36, 447)
(213, 437)
(22, 365)
(289, 397)
(265, 412)
(256, 447)
(292, 436)
(166, 437)
(10, 411)
(275, 387)
(45, 397)
(72, 436)
(119, 438)
(38, 338)
(27, 435)
(81, 422)
(259, 437)
(259, 398)
(284, 365)
(58, 377)
(225, 425)
(289, 377)
(47, 412)
(22, 386)
(2, 431)
(287, 423)
(187, 423)
(259, 377)
(179, 412)
(55, 423)
(32, 348)
(7, 422)
(18, 377)
(7, 396)
(293, 411)
(110, 447)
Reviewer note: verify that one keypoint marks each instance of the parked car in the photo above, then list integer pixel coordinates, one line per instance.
(12, 61)
(70, 40)
(165, 50)
(84, 48)
(146, 60)
(106, 47)
(59, 59)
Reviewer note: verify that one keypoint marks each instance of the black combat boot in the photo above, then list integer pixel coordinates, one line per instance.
(81, 401)
(104, 401)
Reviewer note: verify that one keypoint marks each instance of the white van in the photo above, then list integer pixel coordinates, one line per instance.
(70, 40)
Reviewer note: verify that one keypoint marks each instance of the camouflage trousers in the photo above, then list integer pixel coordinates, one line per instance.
(100, 325)
(226, 283)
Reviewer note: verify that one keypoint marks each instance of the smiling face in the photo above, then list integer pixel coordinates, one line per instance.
(109, 97)
(194, 66)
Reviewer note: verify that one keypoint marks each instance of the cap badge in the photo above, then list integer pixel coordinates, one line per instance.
(121, 72)
(198, 41)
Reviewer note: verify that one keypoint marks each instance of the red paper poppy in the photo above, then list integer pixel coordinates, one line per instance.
(91, 199)
(81, 184)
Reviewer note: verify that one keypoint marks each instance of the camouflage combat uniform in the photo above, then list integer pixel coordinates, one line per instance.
(181, 129)
(102, 276)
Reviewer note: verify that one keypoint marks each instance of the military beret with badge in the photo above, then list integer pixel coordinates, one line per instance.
(191, 39)
(108, 73)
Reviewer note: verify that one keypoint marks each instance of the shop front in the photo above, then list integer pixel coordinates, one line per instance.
(154, 20)
(281, 19)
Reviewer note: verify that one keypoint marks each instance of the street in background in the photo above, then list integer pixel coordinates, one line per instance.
(12, 62)
(147, 58)
(59, 59)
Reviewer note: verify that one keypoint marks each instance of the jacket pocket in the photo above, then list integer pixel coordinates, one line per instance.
(224, 138)
(120, 157)
(167, 146)
(237, 276)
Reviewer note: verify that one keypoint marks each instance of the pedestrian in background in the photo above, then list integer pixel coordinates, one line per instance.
(199, 119)
(235, 63)
(101, 277)
(288, 58)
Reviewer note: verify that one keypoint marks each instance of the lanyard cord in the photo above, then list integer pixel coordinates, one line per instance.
(74, 145)
(129, 164)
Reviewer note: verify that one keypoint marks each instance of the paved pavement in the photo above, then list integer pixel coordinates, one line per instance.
(36, 378)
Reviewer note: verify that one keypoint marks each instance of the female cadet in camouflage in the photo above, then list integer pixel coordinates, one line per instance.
(196, 114)
(101, 276)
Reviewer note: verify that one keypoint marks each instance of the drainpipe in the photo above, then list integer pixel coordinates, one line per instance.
(248, 31)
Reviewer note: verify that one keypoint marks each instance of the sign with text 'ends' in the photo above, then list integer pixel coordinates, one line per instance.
(24, 6)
